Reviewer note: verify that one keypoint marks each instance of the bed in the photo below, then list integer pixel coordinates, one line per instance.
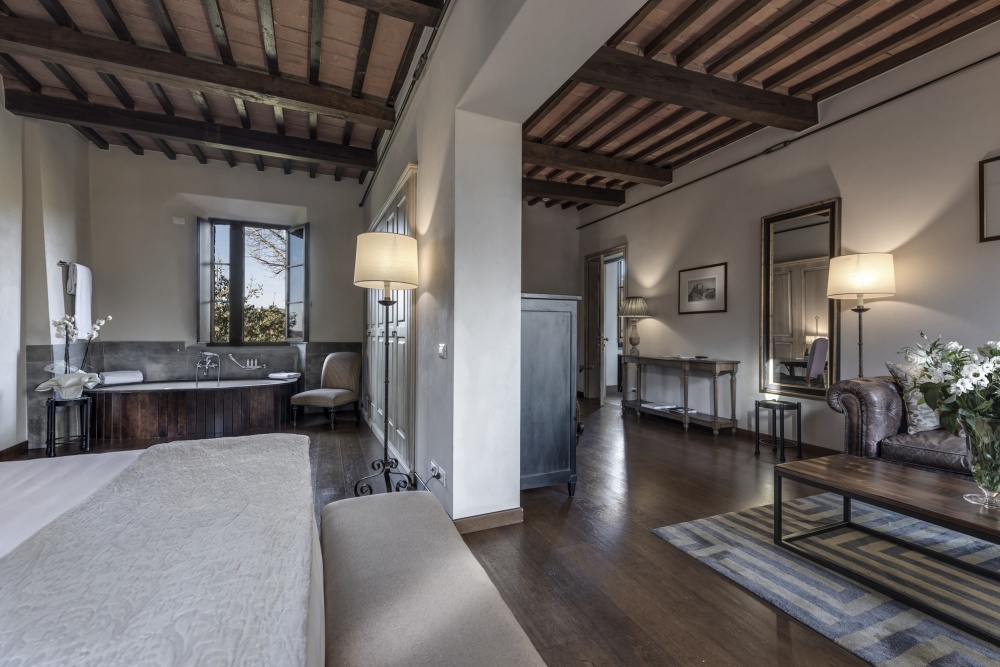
(188, 553)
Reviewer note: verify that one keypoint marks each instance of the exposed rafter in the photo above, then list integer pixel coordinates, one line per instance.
(158, 126)
(532, 187)
(616, 70)
(28, 38)
(591, 163)
(421, 12)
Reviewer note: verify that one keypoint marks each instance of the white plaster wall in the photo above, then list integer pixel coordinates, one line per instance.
(144, 264)
(473, 66)
(56, 220)
(13, 429)
(907, 173)
(550, 250)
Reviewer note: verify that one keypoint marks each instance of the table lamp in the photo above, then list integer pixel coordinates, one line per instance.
(868, 275)
(634, 308)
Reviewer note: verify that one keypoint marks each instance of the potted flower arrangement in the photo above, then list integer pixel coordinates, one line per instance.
(66, 328)
(70, 383)
(963, 386)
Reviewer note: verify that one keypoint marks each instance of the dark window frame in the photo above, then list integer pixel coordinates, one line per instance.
(237, 281)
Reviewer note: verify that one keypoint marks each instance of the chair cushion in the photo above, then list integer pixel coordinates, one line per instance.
(920, 417)
(326, 398)
(931, 449)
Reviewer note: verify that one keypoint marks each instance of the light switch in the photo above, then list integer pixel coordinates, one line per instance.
(443, 350)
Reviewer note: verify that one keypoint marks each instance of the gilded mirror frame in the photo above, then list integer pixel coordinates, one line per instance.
(830, 207)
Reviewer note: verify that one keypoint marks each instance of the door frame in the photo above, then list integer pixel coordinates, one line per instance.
(407, 463)
(602, 257)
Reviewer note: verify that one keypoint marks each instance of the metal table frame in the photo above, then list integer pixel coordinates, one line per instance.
(788, 542)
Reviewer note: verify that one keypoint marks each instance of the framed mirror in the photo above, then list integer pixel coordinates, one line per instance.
(989, 200)
(799, 325)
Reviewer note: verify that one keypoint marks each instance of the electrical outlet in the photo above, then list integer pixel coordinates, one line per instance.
(438, 473)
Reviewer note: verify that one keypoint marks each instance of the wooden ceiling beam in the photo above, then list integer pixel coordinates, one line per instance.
(424, 13)
(268, 42)
(115, 20)
(880, 49)
(607, 116)
(547, 108)
(576, 114)
(532, 187)
(852, 37)
(616, 70)
(409, 52)
(230, 158)
(650, 132)
(165, 148)
(259, 162)
(677, 135)
(317, 8)
(213, 14)
(364, 52)
(977, 22)
(91, 136)
(19, 73)
(716, 145)
(189, 131)
(38, 40)
(823, 26)
(633, 23)
(754, 40)
(592, 163)
(691, 13)
(635, 119)
(711, 36)
(166, 26)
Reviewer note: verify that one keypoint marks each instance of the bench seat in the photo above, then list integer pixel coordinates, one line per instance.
(402, 588)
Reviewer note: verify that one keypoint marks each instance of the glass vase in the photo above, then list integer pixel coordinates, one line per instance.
(982, 437)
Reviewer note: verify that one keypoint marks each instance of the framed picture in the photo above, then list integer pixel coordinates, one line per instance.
(702, 289)
(989, 200)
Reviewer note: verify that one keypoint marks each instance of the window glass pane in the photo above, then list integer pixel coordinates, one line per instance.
(221, 250)
(220, 304)
(296, 283)
(296, 246)
(264, 284)
(295, 320)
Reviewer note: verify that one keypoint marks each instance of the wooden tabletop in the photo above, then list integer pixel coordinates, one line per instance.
(920, 493)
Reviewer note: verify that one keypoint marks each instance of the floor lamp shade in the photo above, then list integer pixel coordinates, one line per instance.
(868, 275)
(386, 261)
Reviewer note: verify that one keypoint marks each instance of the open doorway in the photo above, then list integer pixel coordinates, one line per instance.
(605, 286)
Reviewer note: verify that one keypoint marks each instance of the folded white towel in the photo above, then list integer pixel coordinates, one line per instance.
(285, 376)
(121, 377)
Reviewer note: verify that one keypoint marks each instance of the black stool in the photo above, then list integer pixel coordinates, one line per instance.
(50, 435)
(777, 409)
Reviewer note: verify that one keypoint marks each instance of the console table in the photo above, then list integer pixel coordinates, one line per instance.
(713, 367)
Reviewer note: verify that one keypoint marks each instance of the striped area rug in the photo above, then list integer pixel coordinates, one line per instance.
(873, 627)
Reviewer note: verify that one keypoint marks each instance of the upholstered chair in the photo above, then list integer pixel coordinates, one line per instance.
(340, 384)
(816, 368)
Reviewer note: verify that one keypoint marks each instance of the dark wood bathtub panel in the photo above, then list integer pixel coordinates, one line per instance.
(190, 413)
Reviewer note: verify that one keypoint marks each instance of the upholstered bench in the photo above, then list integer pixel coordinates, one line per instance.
(402, 588)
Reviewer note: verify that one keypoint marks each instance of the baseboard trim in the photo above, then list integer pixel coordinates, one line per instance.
(473, 524)
(15, 452)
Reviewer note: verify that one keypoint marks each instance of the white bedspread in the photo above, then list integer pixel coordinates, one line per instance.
(199, 553)
(33, 493)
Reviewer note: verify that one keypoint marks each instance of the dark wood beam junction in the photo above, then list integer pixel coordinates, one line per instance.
(651, 79)
(532, 187)
(158, 126)
(419, 12)
(592, 163)
(50, 42)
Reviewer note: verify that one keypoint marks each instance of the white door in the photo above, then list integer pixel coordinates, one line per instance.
(395, 218)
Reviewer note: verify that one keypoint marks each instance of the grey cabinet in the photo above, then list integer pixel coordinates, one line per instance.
(548, 390)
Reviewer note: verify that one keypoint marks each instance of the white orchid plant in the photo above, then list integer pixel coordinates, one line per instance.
(66, 328)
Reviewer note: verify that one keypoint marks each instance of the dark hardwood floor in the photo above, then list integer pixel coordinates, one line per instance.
(592, 585)
(585, 577)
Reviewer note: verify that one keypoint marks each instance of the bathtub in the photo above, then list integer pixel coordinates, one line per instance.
(179, 410)
(190, 384)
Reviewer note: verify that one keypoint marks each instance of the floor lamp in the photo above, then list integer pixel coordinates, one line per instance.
(387, 262)
(868, 275)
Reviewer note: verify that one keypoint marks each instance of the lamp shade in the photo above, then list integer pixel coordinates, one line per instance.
(634, 307)
(386, 261)
(866, 275)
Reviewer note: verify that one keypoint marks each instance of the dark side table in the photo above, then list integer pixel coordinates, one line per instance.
(777, 410)
(51, 405)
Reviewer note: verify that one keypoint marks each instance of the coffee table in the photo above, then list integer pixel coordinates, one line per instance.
(919, 494)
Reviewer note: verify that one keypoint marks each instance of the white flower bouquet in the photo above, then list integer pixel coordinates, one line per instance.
(963, 386)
